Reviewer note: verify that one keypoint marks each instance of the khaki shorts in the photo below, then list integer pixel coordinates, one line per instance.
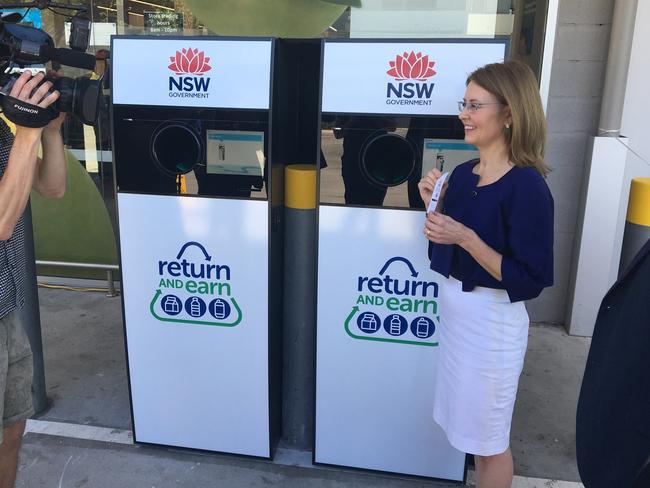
(16, 370)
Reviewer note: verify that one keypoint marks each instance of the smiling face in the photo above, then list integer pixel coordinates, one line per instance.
(484, 127)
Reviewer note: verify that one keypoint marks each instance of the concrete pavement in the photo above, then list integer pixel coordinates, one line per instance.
(86, 380)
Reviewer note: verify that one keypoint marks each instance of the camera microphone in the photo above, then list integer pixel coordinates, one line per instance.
(68, 57)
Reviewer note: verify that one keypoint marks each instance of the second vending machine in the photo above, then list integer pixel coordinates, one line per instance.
(389, 113)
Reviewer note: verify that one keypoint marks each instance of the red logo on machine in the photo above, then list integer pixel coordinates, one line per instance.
(190, 61)
(411, 66)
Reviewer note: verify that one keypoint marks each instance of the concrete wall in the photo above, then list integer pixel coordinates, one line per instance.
(577, 76)
(637, 99)
(637, 102)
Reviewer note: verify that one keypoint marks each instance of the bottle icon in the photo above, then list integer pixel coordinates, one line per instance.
(195, 307)
(395, 325)
(422, 328)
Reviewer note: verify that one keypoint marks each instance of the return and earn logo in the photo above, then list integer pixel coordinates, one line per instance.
(406, 302)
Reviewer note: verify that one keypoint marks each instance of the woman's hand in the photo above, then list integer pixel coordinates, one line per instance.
(442, 229)
(426, 184)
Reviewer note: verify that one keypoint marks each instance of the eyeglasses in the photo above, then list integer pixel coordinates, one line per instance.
(472, 107)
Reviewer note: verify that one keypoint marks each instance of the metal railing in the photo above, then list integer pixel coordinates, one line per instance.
(109, 268)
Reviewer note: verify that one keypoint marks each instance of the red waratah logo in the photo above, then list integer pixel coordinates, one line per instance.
(411, 66)
(191, 61)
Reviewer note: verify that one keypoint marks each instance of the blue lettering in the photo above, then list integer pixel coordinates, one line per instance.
(374, 285)
(425, 89)
(194, 270)
(408, 90)
(202, 84)
(223, 268)
(426, 287)
(391, 286)
(361, 280)
(396, 90)
(175, 83)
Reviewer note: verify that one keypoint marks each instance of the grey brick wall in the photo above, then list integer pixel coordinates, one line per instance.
(575, 90)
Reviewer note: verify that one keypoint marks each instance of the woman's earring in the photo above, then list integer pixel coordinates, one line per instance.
(507, 126)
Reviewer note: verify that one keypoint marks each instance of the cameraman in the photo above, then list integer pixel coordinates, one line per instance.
(20, 172)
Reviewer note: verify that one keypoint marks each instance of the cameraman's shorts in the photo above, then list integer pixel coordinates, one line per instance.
(16, 369)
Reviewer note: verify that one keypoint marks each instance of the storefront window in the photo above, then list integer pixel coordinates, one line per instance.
(521, 22)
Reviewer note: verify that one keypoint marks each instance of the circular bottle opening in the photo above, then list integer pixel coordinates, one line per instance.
(387, 159)
(175, 148)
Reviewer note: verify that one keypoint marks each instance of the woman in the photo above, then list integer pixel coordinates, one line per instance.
(493, 241)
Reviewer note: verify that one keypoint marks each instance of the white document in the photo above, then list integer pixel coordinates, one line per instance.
(437, 190)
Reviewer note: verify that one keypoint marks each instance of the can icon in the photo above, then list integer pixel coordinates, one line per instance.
(422, 328)
(219, 309)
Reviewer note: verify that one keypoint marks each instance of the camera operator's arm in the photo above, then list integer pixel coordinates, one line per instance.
(51, 171)
(18, 178)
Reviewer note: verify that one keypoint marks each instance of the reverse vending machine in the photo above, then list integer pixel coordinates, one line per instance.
(389, 113)
(199, 203)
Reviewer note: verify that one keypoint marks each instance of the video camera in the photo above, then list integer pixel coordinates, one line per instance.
(22, 46)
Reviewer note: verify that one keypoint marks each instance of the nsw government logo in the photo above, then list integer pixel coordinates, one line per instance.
(411, 72)
(189, 62)
(395, 306)
(194, 291)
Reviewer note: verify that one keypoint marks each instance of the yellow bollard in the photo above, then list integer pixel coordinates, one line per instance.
(299, 304)
(300, 186)
(637, 222)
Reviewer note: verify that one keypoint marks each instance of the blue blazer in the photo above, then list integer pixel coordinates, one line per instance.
(514, 216)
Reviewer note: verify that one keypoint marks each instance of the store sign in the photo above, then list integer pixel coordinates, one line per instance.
(196, 312)
(165, 23)
(401, 78)
(377, 344)
(192, 72)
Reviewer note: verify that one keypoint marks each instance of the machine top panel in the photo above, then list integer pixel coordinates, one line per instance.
(192, 72)
(401, 78)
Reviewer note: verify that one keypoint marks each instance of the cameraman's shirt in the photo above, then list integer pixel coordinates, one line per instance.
(12, 251)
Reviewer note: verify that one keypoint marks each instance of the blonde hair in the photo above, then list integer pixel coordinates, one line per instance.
(514, 85)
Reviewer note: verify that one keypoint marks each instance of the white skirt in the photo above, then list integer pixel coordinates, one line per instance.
(483, 338)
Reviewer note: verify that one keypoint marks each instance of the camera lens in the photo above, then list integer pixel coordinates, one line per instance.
(79, 96)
